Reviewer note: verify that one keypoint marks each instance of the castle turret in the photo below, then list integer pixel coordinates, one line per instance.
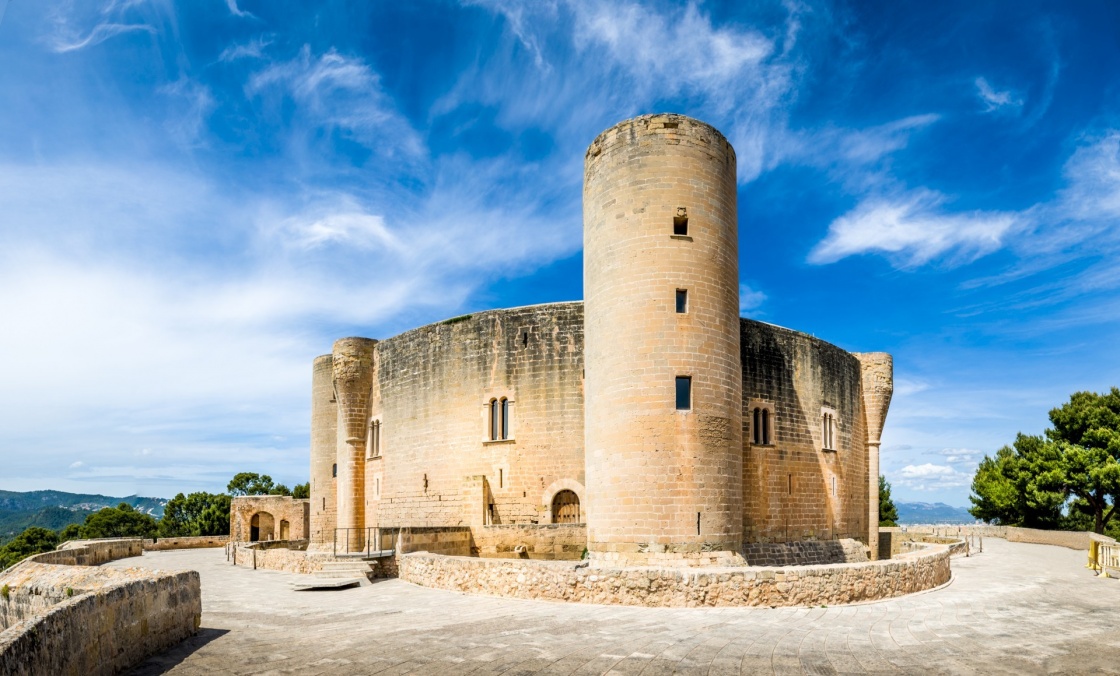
(352, 366)
(877, 383)
(324, 452)
(663, 406)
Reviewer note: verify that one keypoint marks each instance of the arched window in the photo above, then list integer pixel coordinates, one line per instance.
(762, 423)
(495, 419)
(373, 439)
(501, 416)
(828, 429)
(505, 418)
(565, 507)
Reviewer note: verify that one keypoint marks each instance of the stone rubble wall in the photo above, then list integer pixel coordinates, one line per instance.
(276, 558)
(450, 540)
(681, 587)
(565, 542)
(60, 614)
(808, 552)
(893, 541)
(199, 542)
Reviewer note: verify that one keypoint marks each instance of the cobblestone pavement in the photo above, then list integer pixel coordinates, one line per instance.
(1016, 608)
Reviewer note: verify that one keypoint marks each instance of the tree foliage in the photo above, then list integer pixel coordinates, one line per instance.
(195, 515)
(301, 491)
(1068, 478)
(33, 540)
(888, 514)
(251, 483)
(121, 521)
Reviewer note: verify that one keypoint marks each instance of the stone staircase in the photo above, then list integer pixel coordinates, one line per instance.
(338, 573)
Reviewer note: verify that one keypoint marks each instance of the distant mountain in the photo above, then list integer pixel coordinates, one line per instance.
(57, 509)
(11, 501)
(937, 512)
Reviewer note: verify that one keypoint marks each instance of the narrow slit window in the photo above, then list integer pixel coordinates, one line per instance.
(495, 419)
(765, 433)
(505, 418)
(756, 429)
(684, 393)
(682, 301)
(789, 478)
(680, 222)
(334, 470)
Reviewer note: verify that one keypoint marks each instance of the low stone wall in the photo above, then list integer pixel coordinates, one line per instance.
(682, 587)
(199, 542)
(91, 552)
(805, 553)
(62, 615)
(893, 541)
(449, 540)
(1059, 538)
(275, 556)
(557, 541)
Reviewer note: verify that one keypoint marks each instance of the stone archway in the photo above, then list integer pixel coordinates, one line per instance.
(285, 529)
(558, 486)
(261, 527)
(565, 507)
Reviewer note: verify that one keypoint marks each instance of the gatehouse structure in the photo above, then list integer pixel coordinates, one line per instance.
(649, 424)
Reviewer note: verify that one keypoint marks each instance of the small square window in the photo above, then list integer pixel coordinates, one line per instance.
(684, 393)
(680, 222)
(682, 301)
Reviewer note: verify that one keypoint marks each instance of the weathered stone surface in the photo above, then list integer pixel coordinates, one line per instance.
(197, 542)
(683, 587)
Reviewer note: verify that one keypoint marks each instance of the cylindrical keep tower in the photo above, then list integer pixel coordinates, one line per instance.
(877, 384)
(663, 406)
(352, 365)
(324, 451)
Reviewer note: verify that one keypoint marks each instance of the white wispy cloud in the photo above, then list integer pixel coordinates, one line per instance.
(912, 229)
(993, 100)
(100, 33)
(929, 477)
(253, 49)
(749, 299)
(237, 11)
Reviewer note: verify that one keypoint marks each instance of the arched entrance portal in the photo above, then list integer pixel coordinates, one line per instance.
(260, 527)
(284, 529)
(565, 507)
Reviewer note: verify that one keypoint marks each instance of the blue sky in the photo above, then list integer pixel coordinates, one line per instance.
(196, 198)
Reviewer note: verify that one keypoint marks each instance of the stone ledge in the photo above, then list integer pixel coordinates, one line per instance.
(832, 584)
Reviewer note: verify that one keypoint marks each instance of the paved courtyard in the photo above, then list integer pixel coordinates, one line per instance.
(1016, 608)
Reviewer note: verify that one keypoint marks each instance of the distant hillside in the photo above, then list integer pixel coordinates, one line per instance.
(937, 512)
(33, 501)
(57, 509)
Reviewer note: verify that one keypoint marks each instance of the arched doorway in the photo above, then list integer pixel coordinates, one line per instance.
(284, 529)
(260, 527)
(565, 507)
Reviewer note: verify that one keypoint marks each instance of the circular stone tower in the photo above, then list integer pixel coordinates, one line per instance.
(663, 388)
(324, 452)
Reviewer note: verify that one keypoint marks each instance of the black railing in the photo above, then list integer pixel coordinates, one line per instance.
(357, 541)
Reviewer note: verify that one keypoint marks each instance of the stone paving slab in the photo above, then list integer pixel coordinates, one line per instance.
(1015, 609)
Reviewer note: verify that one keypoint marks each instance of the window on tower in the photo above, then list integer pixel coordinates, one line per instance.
(680, 221)
(682, 301)
(684, 393)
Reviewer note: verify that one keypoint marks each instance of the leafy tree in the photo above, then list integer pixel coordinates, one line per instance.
(1005, 488)
(70, 532)
(195, 514)
(301, 491)
(1075, 466)
(33, 540)
(1086, 462)
(251, 483)
(119, 522)
(888, 514)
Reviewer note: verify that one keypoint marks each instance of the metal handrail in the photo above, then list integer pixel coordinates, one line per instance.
(372, 534)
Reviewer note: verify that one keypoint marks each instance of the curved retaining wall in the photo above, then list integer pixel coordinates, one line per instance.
(196, 542)
(61, 615)
(680, 587)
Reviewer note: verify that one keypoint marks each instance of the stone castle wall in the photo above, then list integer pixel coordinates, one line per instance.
(788, 485)
(60, 613)
(324, 450)
(682, 587)
(664, 481)
(431, 396)
(196, 542)
(273, 509)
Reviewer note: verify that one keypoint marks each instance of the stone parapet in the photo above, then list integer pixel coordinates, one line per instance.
(62, 614)
(565, 542)
(197, 542)
(682, 587)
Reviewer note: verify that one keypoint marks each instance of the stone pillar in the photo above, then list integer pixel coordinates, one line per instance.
(664, 484)
(877, 386)
(352, 365)
(324, 452)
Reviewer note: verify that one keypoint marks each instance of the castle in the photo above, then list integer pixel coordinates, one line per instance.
(651, 420)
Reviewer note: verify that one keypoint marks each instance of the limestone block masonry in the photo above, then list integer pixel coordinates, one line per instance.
(61, 613)
(683, 587)
(664, 470)
(649, 425)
